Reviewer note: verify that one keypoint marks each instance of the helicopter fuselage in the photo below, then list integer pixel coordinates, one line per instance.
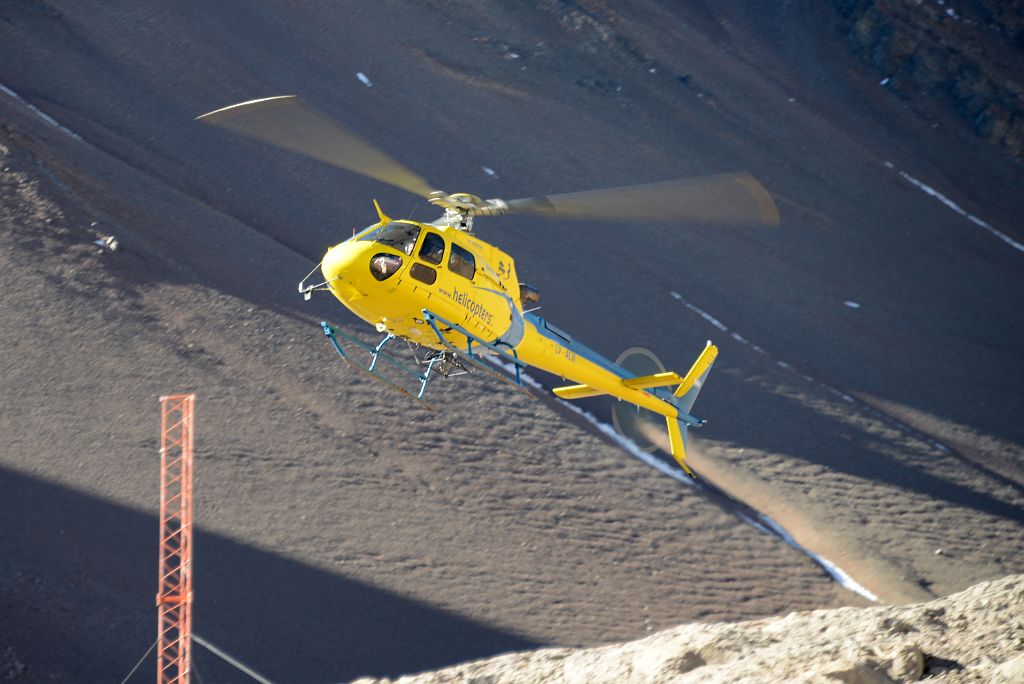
(389, 273)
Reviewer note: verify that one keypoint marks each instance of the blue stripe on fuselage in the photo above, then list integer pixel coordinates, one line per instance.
(563, 339)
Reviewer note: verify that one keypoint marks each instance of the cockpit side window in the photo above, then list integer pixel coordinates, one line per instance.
(432, 250)
(401, 236)
(462, 262)
(365, 233)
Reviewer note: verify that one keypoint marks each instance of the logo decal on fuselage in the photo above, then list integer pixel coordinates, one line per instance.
(472, 307)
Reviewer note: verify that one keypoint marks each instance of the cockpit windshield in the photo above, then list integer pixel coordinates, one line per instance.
(398, 234)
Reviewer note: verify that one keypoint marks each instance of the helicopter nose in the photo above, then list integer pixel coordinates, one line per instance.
(340, 260)
(343, 267)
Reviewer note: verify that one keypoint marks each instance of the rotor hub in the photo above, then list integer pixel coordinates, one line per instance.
(461, 207)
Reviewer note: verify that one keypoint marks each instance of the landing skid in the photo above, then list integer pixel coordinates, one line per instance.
(448, 362)
(376, 354)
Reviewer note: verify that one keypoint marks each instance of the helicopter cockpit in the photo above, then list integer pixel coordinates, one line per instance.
(398, 234)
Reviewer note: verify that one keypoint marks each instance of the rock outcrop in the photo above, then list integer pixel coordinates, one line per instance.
(974, 636)
(969, 54)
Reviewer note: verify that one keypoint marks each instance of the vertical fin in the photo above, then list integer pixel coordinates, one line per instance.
(683, 399)
(688, 390)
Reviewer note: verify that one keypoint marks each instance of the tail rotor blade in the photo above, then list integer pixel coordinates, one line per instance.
(288, 122)
(645, 428)
(728, 199)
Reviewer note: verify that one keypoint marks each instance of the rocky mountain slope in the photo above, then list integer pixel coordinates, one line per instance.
(937, 54)
(974, 636)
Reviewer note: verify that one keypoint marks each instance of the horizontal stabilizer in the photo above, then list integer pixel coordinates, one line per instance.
(687, 385)
(577, 392)
(642, 382)
(656, 380)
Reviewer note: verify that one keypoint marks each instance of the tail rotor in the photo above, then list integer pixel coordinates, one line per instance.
(665, 430)
(646, 429)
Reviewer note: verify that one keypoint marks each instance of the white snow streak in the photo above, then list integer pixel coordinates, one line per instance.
(837, 573)
(364, 79)
(927, 189)
(831, 568)
(762, 523)
(630, 446)
(38, 112)
(700, 312)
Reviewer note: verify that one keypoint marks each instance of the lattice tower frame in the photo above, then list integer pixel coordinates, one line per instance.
(174, 592)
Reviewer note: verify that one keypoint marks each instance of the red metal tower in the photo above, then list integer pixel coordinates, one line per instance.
(174, 593)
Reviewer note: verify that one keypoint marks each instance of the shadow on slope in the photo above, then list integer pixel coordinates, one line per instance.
(864, 450)
(287, 620)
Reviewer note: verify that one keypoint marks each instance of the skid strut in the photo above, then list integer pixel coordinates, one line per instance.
(377, 353)
(475, 359)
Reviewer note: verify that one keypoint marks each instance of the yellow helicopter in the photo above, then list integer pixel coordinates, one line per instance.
(457, 300)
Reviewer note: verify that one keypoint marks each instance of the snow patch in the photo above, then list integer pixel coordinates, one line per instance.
(364, 79)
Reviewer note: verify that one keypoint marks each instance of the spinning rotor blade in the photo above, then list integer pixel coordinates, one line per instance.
(288, 122)
(734, 198)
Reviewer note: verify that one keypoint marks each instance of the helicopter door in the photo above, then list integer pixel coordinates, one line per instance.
(471, 297)
(431, 251)
(462, 262)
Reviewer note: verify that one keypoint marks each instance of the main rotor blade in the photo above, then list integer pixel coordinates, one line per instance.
(734, 198)
(288, 122)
